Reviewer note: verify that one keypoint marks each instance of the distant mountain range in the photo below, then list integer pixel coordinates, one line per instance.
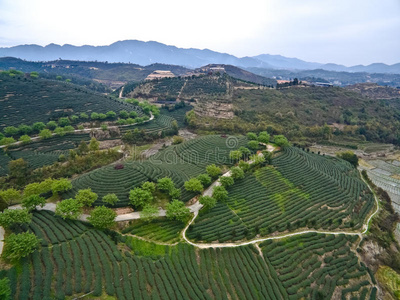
(145, 53)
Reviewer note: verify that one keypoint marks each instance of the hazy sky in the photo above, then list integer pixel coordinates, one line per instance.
(341, 31)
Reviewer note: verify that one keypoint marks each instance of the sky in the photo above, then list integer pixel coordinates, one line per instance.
(348, 32)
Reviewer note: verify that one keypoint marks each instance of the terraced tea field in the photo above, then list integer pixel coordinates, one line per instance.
(160, 230)
(180, 162)
(299, 190)
(49, 100)
(74, 259)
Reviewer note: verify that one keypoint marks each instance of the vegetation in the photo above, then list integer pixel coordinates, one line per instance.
(20, 245)
(300, 190)
(179, 163)
(88, 260)
(69, 209)
(102, 217)
(176, 210)
(42, 96)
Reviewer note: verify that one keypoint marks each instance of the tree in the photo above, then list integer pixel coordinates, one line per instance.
(64, 121)
(123, 114)
(69, 209)
(175, 127)
(165, 184)
(61, 185)
(86, 197)
(139, 197)
(7, 141)
(194, 185)
(45, 134)
(176, 210)
(10, 195)
(20, 245)
(235, 155)
(25, 139)
(350, 157)
(257, 159)
(175, 193)
(10, 131)
(208, 202)
(83, 115)
(38, 126)
(94, 116)
(226, 181)
(59, 131)
(111, 115)
(205, 179)
(18, 169)
(10, 217)
(102, 217)
(220, 193)
(245, 152)
(51, 125)
(213, 171)
(237, 173)
(24, 129)
(149, 186)
(263, 137)
(149, 213)
(83, 148)
(5, 289)
(31, 202)
(281, 141)
(94, 144)
(111, 199)
(251, 136)
(176, 139)
(253, 145)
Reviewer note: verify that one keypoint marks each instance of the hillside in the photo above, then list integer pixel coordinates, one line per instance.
(110, 74)
(29, 100)
(301, 112)
(144, 53)
(375, 91)
(340, 78)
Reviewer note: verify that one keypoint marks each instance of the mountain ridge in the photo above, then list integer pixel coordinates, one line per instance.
(145, 53)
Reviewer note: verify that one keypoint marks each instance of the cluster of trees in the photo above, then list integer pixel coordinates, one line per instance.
(145, 106)
(350, 157)
(101, 217)
(142, 197)
(21, 244)
(85, 157)
(63, 126)
(287, 84)
(33, 193)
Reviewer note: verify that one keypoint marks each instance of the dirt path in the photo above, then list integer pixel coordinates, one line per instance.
(120, 93)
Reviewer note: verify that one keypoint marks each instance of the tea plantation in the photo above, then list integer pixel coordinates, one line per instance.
(300, 190)
(28, 101)
(74, 259)
(180, 163)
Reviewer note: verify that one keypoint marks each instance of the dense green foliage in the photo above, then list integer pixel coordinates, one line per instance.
(23, 96)
(300, 190)
(74, 259)
(178, 162)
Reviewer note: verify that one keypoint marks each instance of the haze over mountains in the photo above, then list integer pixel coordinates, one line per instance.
(145, 53)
